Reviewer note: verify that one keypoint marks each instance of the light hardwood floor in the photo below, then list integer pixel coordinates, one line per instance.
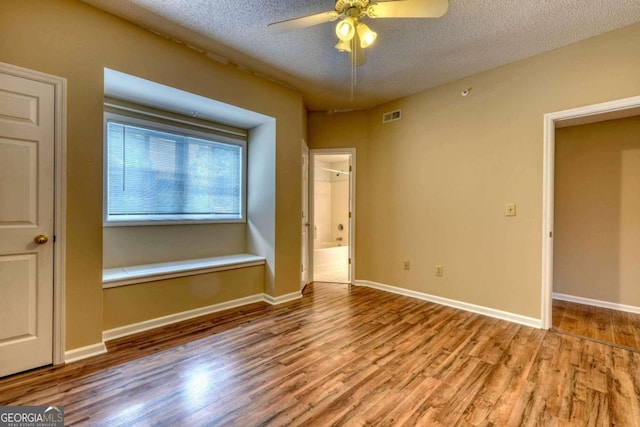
(343, 356)
(601, 324)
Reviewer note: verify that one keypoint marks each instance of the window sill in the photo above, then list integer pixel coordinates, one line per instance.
(143, 223)
(123, 276)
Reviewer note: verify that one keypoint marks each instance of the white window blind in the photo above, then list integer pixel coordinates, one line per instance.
(170, 174)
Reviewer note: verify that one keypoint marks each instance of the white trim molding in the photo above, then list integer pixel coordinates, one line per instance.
(596, 303)
(146, 325)
(581, 115)
(81, 353)
(282, 298)
(478, 309)
(123, 276)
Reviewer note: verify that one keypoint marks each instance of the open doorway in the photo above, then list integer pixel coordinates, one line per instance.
(597, 231)
(332, 215)
(591, 225)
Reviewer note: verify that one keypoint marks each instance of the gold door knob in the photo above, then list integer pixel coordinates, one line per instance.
(41, 239)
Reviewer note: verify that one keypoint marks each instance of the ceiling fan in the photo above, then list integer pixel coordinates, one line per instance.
(353, 34)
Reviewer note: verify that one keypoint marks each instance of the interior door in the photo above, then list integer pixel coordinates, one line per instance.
(305, 216)
(27, 109)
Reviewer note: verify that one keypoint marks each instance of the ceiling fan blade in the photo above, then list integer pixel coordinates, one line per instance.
(408, 9)
(302, 22)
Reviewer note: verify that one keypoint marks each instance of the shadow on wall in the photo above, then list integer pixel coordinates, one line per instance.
(597, 211)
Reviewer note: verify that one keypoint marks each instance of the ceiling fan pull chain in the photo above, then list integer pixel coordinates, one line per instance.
(353, 65)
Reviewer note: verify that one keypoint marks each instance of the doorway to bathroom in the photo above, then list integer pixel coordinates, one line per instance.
(332, 211)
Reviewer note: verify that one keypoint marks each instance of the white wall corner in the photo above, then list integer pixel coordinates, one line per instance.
(81, 353)
(478, 309)
(282, 298)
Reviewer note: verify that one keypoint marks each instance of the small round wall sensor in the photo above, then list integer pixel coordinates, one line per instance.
(465, 92)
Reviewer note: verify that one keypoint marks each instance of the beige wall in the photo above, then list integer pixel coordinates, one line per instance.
(597, 211)
(124, 246)
(135, 303)
(437, 181)
(431, 188)
(72, 40)
(348, 130)
(261, 209)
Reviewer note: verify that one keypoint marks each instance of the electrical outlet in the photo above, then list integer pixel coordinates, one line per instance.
(439, 271)
(407, 265)
(510, 209)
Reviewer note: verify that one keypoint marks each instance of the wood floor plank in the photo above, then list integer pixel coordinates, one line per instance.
(597, 323)
(496, 399)
(348, 356)
(625, 332)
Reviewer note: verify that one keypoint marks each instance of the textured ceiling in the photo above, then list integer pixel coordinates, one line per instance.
(409, 56)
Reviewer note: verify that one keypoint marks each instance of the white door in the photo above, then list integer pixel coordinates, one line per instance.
(26, 223)
(305, 215)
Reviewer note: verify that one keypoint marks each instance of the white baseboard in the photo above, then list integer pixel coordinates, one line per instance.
(282, 298)
(84, 352)
(491, 312)
(597, 303)
(145, 325)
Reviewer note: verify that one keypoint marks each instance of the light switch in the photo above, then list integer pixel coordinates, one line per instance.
(510, 209)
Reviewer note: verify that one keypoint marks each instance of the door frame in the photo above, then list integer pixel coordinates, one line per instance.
(60, 194)
(305, 208)
(617, 109)
(352, 206)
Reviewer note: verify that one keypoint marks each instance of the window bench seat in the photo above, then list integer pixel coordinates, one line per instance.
(122, 276)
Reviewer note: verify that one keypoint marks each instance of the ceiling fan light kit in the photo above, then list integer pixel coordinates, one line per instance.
(346, 29)
(343, 46)
(351, 12)
(367, 37)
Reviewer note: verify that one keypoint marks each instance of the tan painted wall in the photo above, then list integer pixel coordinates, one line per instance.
(135, 303)
(348, 130)
(597, 211)
(261, 209)
(124, 246)
(72, 40)
(438, 180)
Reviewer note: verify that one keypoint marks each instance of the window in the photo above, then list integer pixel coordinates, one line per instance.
(168, 173)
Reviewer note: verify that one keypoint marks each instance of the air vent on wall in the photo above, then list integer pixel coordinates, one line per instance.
(391, 116)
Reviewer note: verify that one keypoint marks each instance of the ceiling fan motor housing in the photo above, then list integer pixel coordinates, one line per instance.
(352, 6)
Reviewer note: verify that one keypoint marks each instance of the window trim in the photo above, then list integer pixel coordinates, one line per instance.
(184, 127)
